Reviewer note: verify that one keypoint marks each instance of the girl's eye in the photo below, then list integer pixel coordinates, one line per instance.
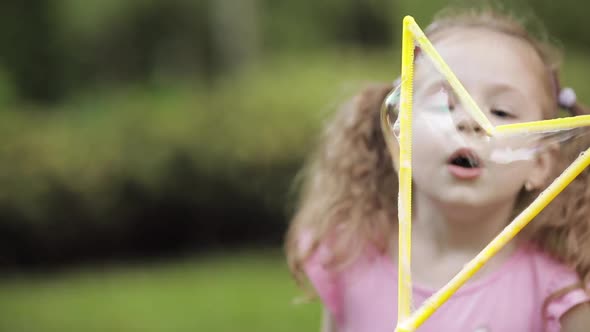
(501, 113)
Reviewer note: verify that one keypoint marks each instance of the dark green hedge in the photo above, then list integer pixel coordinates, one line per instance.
(168, 167)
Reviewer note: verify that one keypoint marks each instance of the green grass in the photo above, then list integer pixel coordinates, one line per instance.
(245, 292)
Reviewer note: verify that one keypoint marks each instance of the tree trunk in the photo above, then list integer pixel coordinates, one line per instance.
(235, 32)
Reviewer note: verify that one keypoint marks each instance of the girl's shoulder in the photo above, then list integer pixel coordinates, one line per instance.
(549, 273)
(331, 275)
(325, 280)
(558, 284)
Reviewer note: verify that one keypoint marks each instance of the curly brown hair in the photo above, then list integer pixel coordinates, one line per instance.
(350, 188)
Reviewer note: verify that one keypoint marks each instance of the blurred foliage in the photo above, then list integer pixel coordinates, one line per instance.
(7, 93)
(66, 45)
(295, 24)
(202, 164)
(266, 116)
(249, 292)
(126, 124)
(30, 51)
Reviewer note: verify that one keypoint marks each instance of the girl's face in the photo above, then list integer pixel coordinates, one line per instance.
(454, 161)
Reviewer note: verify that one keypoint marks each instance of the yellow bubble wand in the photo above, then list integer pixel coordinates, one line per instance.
(408, 321)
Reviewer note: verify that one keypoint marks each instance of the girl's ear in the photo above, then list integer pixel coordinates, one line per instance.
(545, 163)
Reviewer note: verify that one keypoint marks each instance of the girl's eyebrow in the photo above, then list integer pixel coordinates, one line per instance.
(506, 88)
(433, 86)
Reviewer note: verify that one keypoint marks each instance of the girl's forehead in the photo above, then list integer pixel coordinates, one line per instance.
(487, 61)
(481, 57)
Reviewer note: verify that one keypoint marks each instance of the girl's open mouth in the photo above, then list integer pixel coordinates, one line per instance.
(465, 164)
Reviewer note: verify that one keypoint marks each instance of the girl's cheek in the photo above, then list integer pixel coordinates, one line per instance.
(434, 124)
(437, 132)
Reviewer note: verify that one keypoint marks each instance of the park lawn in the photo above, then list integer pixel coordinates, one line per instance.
(225, 293)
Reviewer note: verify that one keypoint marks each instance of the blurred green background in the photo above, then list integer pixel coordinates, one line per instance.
(149, 148)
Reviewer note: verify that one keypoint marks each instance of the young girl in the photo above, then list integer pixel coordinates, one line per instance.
(344, 235)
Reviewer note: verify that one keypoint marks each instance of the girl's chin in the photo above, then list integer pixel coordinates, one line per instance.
(461, 197)
(463, 202)
(469, 201)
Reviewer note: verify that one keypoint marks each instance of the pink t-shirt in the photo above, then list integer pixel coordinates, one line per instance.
(363, 297)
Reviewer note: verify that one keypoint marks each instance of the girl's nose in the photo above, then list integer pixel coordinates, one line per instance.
(466, 124)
